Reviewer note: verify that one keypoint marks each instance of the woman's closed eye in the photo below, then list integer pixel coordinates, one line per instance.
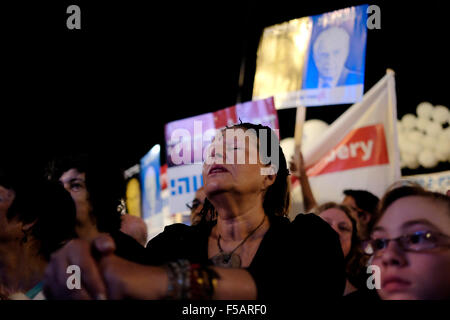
(344, 228)
(75, 186)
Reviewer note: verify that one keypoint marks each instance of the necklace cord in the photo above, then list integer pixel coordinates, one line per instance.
(242, 242)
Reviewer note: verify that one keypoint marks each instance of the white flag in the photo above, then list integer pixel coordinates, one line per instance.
(359, 150)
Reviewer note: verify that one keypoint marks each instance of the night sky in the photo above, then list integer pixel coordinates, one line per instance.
(133, 67)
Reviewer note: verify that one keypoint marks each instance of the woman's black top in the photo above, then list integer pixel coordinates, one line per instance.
(128, 248)
(298, 259)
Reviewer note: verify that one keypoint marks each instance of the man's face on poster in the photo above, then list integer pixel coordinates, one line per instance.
(331, 50)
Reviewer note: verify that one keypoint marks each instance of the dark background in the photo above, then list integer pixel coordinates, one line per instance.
(136, 65)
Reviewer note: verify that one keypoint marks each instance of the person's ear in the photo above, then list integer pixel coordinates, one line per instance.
(268, 170)
(26, 227)
(269, 176)
(365, 218)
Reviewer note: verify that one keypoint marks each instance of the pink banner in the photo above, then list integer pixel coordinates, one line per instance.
(186, 139)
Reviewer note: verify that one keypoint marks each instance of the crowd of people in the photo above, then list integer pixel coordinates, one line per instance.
(240, 244)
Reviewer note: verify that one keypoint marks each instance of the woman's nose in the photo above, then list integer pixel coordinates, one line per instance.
(393, 255)
(217, 152)
(67, 186)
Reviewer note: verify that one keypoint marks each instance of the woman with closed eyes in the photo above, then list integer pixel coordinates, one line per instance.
(244, 248)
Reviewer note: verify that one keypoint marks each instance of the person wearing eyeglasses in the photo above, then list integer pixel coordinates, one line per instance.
(97, 188)
(410, 243)
(196, 206)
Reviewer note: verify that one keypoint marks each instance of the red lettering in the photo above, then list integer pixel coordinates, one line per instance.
(362, 147)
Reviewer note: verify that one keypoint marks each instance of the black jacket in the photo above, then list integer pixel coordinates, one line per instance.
(296, 260)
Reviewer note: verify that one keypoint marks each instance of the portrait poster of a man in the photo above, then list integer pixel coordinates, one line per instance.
(337, 50)
(313, 61)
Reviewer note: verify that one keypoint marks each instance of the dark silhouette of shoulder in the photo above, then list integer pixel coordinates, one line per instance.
(128, 248)
(179, 241)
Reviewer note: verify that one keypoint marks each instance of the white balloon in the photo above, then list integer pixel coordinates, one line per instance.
(443, 144)
(412, 147)
(422, 124)
(409, 121)
(296, 205)
(415, 136)
(315, 126)
(445, 134)
(440, 114)
(427, 158)
(441, 155)
(288, 147)
(429, 142)
(424, 110)
(400, 127)
(402, 141)
(433, 129)
(442, 149)
(312, 130)
(410, 160)
(402, 163)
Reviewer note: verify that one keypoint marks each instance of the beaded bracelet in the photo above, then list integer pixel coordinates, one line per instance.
(178, 279)
(190, 281)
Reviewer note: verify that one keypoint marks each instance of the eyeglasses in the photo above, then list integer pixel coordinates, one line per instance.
(194, 204)
(417, 241)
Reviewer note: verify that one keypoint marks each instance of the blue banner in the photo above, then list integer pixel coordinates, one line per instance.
(337, 49)
(313, 61)
(150, 182)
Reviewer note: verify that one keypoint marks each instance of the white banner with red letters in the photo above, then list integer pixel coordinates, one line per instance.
(359, 150)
